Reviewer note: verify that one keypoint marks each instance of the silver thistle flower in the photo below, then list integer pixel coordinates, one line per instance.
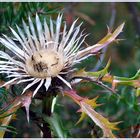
(43, 53)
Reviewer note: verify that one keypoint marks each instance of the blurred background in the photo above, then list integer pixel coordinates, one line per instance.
(125, 57)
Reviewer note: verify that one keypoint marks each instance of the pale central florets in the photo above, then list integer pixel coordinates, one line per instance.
(45, 63)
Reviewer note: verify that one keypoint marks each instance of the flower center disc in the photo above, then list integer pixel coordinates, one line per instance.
(45, 63)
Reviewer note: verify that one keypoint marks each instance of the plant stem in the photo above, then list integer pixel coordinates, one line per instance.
(46, 110)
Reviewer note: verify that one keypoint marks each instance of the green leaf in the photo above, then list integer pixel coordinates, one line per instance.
(56, 126)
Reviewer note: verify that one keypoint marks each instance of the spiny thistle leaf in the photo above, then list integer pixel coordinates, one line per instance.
(86, 107)
(109, 38)
(136, 76)
(92, 103)
(82, 117)
(96, 74)
(102, 122)
(9, 112)
(107, 77)
(133, 81)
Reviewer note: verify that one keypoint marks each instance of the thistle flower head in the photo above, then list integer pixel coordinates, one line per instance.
(42, 53)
